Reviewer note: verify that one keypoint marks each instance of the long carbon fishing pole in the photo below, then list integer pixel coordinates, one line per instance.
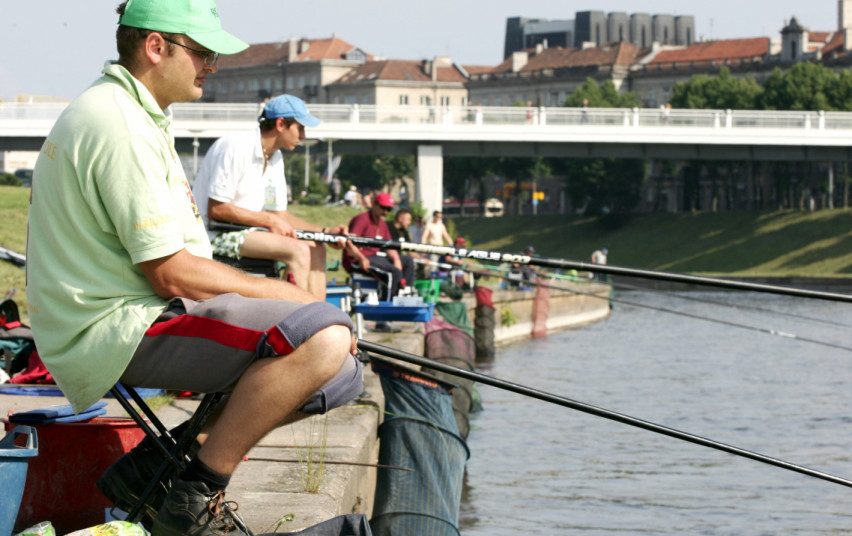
(594, 410)
(494, 256)
(778, 333)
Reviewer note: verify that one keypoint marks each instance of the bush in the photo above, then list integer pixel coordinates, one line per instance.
(7, 179)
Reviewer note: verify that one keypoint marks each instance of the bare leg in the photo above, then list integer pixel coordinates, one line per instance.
(316, 277)
(270, 392)
(296, 253)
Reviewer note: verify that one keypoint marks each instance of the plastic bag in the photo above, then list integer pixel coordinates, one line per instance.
(45, 528)
(113, 528)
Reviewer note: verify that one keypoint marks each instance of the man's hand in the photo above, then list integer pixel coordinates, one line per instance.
(353, 348)
(279, 225)
(337, 230)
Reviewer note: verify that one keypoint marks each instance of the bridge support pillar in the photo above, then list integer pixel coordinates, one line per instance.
(430, 177)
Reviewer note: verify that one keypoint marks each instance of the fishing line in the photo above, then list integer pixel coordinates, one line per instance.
(593, 410)
(625, 286)
(495, 256)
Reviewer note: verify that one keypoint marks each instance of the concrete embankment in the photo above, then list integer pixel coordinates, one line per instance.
(274, 485)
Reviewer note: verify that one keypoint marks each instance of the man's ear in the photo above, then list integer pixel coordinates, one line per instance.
(155, 48)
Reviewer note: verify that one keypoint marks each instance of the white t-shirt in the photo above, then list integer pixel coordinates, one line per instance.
(232, 172)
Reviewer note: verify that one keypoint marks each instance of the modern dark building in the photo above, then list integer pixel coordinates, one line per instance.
(598, 28)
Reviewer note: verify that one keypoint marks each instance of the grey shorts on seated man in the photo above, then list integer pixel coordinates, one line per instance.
(206, 346)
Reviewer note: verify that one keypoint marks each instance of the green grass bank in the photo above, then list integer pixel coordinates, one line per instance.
(743, 244)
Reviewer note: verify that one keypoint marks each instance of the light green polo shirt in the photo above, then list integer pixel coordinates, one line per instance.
(108, 193)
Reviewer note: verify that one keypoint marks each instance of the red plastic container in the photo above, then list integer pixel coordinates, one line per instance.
(61, 480)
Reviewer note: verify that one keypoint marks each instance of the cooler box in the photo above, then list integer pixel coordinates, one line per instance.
(61, 486)
(13, 472)
(387, 311)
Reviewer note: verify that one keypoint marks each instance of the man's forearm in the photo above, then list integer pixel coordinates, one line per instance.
(230, 213)
(198, 278)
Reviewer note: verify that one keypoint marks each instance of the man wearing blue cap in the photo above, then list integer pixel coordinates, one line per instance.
(241, 181)
(122, 286)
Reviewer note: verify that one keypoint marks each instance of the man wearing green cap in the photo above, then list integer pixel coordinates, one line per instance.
(121, 284)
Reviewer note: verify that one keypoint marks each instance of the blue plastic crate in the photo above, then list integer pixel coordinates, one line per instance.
(388, 311)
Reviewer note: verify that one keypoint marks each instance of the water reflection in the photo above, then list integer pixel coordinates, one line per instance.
(542, 469)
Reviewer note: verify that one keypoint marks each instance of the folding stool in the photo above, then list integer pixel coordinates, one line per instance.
(175, 451)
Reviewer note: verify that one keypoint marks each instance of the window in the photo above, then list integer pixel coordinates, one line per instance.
(254, 84)
(793, 51)
(665, 35)
(267, 84)
(241, 86)
(445, 100)
(644, 37)
(425, 100)
(403, 100)
(289, 83)
(464, 101)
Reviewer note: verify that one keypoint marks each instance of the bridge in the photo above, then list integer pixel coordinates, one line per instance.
(431, 132)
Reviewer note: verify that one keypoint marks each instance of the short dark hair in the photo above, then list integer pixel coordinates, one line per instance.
(127, 40)
(401, 212)
(436, 213)
(267, 124)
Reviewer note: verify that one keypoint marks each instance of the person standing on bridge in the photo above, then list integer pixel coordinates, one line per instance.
(241, 181)
(122, 286)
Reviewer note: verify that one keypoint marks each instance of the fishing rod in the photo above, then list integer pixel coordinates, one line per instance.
(495, 256)
(500, 275)
(11, 256)
(624, 286)
(592, 410)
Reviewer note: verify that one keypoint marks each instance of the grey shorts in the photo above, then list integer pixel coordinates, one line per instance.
(206, 346)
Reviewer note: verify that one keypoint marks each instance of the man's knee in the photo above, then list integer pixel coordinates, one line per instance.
(330, 347)
(346, 384)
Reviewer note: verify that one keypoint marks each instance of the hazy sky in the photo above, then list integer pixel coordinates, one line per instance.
(57, 47)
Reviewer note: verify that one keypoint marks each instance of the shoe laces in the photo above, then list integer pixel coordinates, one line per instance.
(221, 511)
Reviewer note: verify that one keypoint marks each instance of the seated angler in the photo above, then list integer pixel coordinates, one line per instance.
(241, 181)
(122, 286)
(368, 260)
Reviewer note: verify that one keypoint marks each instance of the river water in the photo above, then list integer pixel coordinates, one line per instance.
(537, 468)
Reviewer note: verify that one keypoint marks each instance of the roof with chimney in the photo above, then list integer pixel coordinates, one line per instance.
(332, 48)
(403, 70)
(715, 52)
(616, 54)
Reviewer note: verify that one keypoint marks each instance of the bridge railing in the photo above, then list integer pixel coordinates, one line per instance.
(485, 116)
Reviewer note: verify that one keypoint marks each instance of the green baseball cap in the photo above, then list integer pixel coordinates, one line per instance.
(197, 19)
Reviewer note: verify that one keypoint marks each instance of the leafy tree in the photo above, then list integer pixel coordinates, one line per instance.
(601, 96)
(601, 185)
(461, 172)
(520, 169)
(294, 166)
(722, 92)
(805, 86)
(374, 171)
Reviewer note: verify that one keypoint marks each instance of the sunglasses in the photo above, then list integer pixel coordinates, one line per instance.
(208, 56)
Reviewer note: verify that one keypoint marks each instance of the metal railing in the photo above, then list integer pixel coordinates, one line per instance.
(483, 116)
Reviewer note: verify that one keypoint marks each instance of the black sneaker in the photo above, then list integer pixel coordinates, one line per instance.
(125, 480)
(191, 509)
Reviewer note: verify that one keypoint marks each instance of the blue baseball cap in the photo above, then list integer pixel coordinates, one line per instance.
(289, 107)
